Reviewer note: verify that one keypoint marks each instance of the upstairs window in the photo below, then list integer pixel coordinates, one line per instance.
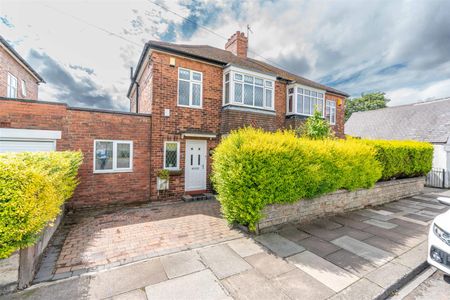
(303, 101)
(12, 86)
(330, 112)
(190, 86)
(248, 90)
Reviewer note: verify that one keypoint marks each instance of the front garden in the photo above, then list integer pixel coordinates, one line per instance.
(253, 169)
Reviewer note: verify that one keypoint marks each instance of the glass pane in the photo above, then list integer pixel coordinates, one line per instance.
(238, 92)
(259, 96)
(307, 106)
(227, 92)
(196, 76)
(237, 76)
(320, 95)
(103, 155)
(248, 94)
(269, 98)
(314, 94)
(327, 109)
(123, 155)
(320, 106)
(259, 81)
(291, 90)
(248, 79)
(333, 115)
(227, 77)
(184, 74)
(196, 94)
(299, 104)
(299, 90)
(183, 92)
(290, 103)
(269, 83)
(171, 155)
(307, 92)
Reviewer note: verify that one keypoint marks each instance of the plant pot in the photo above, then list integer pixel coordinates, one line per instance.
(162, 184)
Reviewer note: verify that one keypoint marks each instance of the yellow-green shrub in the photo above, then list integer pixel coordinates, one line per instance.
(402, 159)
(33, 186)
(253, 168)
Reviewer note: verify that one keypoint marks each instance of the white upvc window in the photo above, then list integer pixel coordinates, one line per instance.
(303, 100)
(249, 89)
(12, 86)
(190, 88)
(330, 111)
(112, 156)
(24, 88)
(171, 155)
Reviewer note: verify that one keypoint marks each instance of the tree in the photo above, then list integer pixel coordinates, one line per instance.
(369, 101)
(315, 128)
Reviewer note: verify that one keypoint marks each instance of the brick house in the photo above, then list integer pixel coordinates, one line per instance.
(17, 77)
(197, 94)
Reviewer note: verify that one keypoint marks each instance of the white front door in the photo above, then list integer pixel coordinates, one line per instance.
(195, 166)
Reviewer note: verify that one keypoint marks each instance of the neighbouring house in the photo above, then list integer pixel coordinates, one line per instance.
(17, 78)
(197, 94)
(184, 99)
(423, 121)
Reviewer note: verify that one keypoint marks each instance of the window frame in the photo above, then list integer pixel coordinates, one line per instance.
(114, 157)
(8, 86)
(332, 111)
(232, 72)
(295, 95)
(191, 83)
(23, 88)
(177, 167)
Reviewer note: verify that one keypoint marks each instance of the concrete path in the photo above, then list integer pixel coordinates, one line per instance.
(352, 256)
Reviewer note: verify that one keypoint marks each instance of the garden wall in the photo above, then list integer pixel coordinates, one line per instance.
(338, 202)
(18, 270)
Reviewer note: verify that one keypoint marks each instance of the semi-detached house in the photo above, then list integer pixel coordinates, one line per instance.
(197, 94)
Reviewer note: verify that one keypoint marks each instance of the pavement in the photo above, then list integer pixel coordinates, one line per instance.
(365, 254)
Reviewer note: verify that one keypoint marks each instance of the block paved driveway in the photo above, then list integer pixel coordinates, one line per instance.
(358, 255)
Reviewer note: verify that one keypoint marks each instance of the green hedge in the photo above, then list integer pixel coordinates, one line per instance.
(252, 169)
(33, 186)
(402, 159)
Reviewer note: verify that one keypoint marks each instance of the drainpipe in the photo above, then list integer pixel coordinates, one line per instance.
(133, 81)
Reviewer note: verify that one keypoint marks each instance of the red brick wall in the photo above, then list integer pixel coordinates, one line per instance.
(145, 91)
(79, 130)
(10, 65)
(181, 119)
(237, 44)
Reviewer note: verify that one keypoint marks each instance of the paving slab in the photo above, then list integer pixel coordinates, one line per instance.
(350, 222)
(329, 235)
(138, 294)
(251, 285)
(245, 247)
(363, 289)
(392, 235)
(414, 257)
(351, 262)
(380, 211)
(124, 279)
(324, 271)
(412, 225)
(200, 285)
(418, 217)
(371, 215)
(292, 233)
(423, 204)
(371, 253)
(279, 245)
(299, 285)
(182, 263)
(327, 224)
(403, 218)
(388, 274)
(387, 245)
(223, 261)
(318, 246)
(381, 224)
(269, 265)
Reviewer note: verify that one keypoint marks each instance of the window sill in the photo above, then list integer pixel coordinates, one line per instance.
(188, 106)
(250, 109)
(113, 171)
(176, 172)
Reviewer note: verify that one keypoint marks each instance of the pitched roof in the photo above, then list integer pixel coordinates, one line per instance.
(20, 58)
(424, 121)
(224, 57)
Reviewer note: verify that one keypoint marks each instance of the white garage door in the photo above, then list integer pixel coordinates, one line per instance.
(31, 146)
(30, 140)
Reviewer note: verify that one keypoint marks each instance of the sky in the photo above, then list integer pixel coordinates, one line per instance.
(84, 49)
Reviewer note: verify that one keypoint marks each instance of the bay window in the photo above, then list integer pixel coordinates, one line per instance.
(250, 89)
(330, 112)
(190, 85)
(302, 100)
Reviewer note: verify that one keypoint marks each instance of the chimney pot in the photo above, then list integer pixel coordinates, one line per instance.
(237, 44)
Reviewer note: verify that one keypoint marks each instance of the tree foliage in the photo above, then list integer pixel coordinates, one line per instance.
(369, 101)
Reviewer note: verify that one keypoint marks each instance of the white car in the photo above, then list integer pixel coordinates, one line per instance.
(439, 240)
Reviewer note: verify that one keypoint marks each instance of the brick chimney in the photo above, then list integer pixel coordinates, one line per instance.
(237, 44)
